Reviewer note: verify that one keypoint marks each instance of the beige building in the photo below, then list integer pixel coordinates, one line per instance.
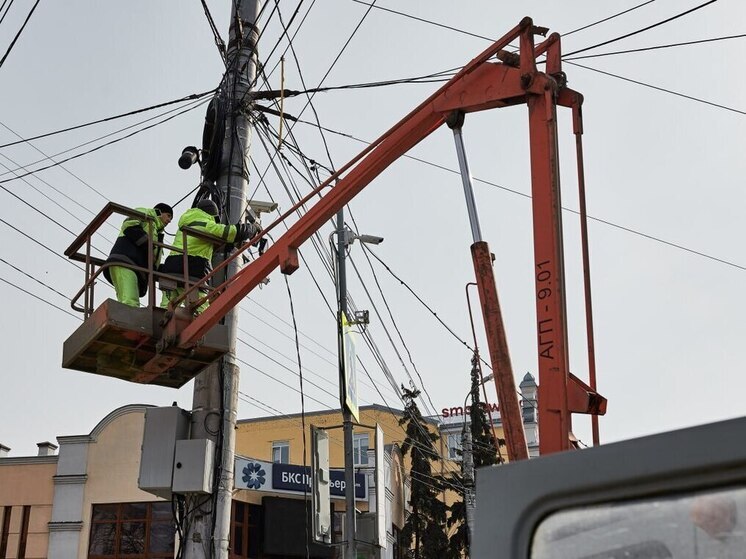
(84, 502)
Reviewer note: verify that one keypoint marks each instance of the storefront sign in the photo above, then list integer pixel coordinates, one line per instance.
(258, 475)
(461, 410)
(292, 478)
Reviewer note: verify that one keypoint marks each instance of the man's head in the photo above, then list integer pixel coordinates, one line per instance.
(208, 206)
(165, 212)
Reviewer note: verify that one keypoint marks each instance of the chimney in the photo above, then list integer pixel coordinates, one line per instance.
(4, 450)
(46, 448)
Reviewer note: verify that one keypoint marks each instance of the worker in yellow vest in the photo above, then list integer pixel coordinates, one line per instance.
(203, 218)
(131, 247)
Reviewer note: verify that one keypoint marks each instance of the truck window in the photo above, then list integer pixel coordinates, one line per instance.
(703, 525)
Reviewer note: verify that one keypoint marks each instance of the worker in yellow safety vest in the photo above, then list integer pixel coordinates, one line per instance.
(203, 218)
(131, 247)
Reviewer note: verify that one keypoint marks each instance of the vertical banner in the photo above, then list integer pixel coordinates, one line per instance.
(350, 372)
(320, 485)
(380, 476)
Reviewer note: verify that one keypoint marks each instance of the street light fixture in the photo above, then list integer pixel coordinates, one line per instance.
(345, 238)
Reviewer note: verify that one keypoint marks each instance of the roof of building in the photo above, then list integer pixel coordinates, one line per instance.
(371, 407)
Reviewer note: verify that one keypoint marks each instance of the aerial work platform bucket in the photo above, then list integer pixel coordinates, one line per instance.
(121, 341)
(136, 344)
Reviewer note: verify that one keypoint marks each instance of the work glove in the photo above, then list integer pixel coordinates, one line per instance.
(244, 232)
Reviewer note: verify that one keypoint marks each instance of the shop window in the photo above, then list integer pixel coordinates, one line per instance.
(281, 452)
(360, 444)
(246, 531)
(144, 530)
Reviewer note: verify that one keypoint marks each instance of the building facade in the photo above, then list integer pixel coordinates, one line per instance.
(84, 501)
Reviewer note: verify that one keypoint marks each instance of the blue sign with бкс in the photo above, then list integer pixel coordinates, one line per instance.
(292, 478)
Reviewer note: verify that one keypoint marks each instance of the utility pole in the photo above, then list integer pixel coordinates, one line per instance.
(215, 399)
(350, 530)
(467, 470)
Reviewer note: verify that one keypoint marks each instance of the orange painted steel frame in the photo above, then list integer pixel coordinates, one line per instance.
(480, 85)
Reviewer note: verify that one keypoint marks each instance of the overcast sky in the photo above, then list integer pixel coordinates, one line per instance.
(661, 170)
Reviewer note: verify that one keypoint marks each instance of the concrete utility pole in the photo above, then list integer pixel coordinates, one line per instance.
(467, 469)
(215, 399)
(350, 529)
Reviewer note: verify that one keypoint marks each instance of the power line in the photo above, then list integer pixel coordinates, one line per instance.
(108, 135)
(423, 20)
(366, 334)
(258, 370)
(649, 27)
(39, 298)
(663, 89)
(528, 196)
(12, 44)
(42, 245)
(645, 49)
(61, 167)
(374, 349)
(253, 348)
(607, 18)
(6, 11)
(191, 97)
(419, 299)
(284, 28)
(55, 164)
(17, 269)
(369, 341)
(391, 316)
(215, 33)
(587, 48)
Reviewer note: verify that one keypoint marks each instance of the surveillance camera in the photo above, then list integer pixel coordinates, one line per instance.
(370, 239)
(262, 207)
(189, 156)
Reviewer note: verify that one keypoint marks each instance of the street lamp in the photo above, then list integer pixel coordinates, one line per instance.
(345, 239)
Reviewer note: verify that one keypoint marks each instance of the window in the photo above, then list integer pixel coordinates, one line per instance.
(454, 446)
(246, 530)
(396, 552)
(281, 452)
(119, 530)
(6, 529)
(360, 449)
(24, 532)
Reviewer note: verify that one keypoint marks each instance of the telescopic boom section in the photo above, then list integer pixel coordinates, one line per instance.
(482, 84)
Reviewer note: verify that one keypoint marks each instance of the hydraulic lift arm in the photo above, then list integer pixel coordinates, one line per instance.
(480, 85)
